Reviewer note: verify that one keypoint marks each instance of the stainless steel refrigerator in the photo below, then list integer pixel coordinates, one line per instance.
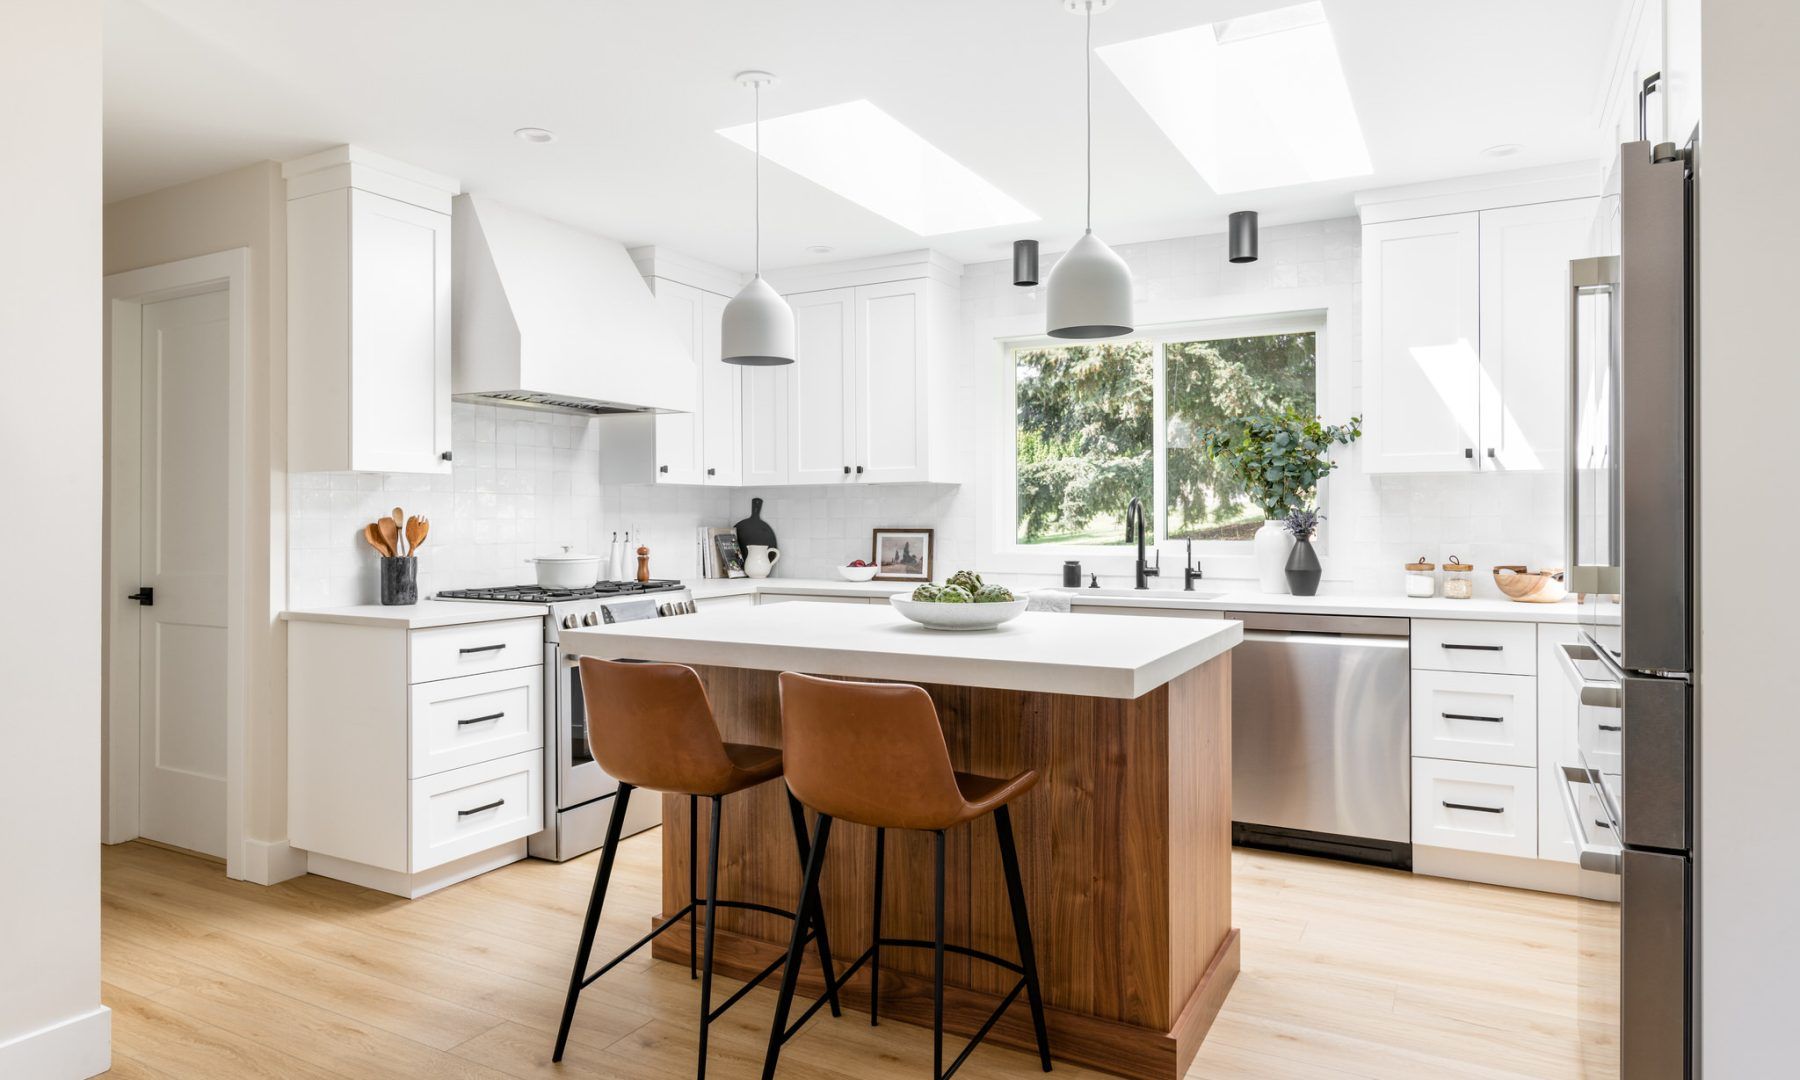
(1629, 796)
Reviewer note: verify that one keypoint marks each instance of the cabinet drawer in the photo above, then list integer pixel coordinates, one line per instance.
(1475, 807)
(476, 807)
(1475, 717)
(1499, 648)
(457, 722)
(445, 652)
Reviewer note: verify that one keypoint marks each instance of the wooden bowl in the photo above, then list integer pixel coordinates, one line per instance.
(1530, 587)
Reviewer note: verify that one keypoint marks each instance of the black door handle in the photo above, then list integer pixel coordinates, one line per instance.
(146, 595)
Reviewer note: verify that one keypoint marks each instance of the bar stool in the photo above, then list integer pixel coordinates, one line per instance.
(874, 753)
(651, 726)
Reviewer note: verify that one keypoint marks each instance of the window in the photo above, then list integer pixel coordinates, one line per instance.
(1098, 425)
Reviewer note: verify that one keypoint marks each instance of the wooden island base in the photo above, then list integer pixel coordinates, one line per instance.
(1125, 851)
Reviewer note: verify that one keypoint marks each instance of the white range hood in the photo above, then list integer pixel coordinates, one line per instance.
(550, 317)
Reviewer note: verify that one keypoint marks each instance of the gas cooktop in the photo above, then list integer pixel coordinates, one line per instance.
(537, 594)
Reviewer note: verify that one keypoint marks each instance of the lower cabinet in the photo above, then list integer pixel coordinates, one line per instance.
(415, 756)
(1474, 806)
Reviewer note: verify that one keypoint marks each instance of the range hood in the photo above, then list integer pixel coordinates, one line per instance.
(550, 317)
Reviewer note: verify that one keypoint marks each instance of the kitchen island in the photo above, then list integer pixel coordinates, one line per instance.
(1125, 844)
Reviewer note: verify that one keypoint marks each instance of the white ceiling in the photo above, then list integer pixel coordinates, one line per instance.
(636, 91)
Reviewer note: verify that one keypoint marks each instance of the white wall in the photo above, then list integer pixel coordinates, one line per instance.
(51, 1022)
(1749, 382)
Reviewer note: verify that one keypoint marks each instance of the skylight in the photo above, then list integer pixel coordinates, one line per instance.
(1252, 103)
(882, 165)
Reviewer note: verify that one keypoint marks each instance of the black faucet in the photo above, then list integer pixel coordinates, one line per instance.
(1134, 515)
(1191, 572)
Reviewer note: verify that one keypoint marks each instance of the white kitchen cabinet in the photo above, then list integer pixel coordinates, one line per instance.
(368, 302)
(822, 394)
(764, 418)
(1465, 355)
(1556, 742)
(890, 404)
(721, 400)
(1465, 717)
(699, 447)
(1470, 806)
(677, 435)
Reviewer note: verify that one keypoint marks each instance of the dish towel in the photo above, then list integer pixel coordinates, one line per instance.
(1047, 600)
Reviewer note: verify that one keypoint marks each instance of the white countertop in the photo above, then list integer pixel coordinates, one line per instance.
(710, 588)
(1398, 606)
(1089, 655)
(418, 616)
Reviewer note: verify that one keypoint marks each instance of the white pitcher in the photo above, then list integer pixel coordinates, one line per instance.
(759, 559)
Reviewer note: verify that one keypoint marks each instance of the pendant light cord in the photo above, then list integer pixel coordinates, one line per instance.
(1088, 43)
(758, 129)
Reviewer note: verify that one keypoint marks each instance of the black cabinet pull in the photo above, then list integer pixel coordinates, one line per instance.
(1472, 806)
(1610, 727)
(1468, 451)
(1603, 824)
(481, 648)
(480, 719)
(445, 456)
(662, 468)
(1475, 648)
(846, 470)
(478, 809)
(712, 472)
(859, 470)
(1471, 716)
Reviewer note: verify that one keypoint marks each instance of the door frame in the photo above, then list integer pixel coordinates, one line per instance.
(125, 296)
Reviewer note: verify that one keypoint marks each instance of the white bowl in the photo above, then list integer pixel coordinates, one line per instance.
(857, 573)
(958, 616)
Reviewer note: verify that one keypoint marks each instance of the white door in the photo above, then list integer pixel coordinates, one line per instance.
(1421, 330)
(891, 411)
(821, 384)
(678, 434)
(721, 404)
(182, 557)
(1525, 253)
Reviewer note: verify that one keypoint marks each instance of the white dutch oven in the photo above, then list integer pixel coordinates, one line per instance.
(566, 571)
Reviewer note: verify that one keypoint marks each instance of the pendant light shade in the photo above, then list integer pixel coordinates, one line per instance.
(1243, 236)
(1025, 263)
(1089, 293)
(758, 326)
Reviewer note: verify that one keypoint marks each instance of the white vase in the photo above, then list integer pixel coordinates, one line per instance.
(759, 559)
(1273, 542)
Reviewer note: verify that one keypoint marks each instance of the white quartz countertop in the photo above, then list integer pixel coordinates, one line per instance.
(709, 588)
(1397, 606)
(1088, 655)
(418, 616)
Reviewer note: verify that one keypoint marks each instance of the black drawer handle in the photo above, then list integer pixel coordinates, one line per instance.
(1471, 716)
(1603, 824)
(1475, 648)
(1610, 727)
(481, 648)
(497, 803)
(1472, 806)
(480, 719)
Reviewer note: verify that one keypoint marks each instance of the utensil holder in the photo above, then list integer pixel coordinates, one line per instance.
(399, 580)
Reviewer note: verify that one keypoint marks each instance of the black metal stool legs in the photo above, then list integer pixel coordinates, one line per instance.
(937, 962)
(875, 932)
(591, 922)
(693, 884)
(1015, 891)
(712, 926)
(798, 813)
(780, 1030)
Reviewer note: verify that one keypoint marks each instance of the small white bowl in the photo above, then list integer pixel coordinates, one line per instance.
(958, 616)
(857, 573)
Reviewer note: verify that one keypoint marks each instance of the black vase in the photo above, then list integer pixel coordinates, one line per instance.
(399, 580)
(1303, 569)
(754, 530)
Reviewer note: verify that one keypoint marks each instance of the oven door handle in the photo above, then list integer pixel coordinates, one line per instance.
(1590, 856)
(1599, 693)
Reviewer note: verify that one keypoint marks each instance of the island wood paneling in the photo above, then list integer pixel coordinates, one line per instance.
(1124, 849)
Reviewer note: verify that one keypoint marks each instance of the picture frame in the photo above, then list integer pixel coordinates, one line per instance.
(902, 554)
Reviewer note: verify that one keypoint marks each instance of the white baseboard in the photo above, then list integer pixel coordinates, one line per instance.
(71, 1049)
(413, 886)
(270, 862)
(1542, 875)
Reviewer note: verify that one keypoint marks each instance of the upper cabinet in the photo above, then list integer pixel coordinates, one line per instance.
(368, 267)
(1465, 331)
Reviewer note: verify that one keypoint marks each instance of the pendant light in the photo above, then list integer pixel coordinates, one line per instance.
(1090, 286)
(1243, 236)
(758, 325)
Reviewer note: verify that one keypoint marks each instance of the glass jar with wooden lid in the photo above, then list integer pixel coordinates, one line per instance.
(1421, 579)
(1459, 579)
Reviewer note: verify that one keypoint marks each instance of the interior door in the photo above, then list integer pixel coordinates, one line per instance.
(821, 387)
(182, 528)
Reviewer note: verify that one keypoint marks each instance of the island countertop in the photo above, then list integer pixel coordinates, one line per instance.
(1116, 656)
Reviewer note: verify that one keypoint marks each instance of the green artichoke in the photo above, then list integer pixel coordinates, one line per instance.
(967, 579)
(955, 594)
(993, 594)
(928, 593)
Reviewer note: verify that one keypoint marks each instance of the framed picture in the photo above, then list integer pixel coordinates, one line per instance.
(902, 555)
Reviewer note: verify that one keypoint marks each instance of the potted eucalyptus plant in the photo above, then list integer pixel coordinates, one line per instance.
(1277, 459)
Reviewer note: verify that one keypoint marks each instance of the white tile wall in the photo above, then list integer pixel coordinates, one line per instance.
(526, 483)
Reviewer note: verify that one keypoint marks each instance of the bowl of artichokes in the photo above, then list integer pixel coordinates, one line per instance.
(963, 602)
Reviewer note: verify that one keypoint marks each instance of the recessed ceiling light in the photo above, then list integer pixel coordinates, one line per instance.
(1252, 103)
(536, 134)
(880, 164)
(819, 249)
(1505, 149)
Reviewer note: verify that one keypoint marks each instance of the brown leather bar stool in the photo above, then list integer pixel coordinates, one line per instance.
(651, 726)
(874, 753)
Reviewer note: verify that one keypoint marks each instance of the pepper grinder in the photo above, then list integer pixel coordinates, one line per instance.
(643, 554)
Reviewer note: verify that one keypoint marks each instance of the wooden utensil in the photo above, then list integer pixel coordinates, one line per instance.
(416, 528)
(373, 536)
(390, 534)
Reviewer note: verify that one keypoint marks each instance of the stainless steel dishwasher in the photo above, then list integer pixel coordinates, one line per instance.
(1321, 754)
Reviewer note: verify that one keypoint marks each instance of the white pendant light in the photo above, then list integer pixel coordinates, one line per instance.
(1090, 286)
(758, 328)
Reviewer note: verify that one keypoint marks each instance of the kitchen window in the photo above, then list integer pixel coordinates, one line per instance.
(1098, 425)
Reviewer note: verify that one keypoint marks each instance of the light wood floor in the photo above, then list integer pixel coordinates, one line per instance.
(1348, 972)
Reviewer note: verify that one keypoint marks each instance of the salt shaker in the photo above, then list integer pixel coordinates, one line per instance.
(1421, 579)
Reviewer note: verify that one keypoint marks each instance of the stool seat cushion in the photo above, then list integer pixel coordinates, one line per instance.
(754, 764)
